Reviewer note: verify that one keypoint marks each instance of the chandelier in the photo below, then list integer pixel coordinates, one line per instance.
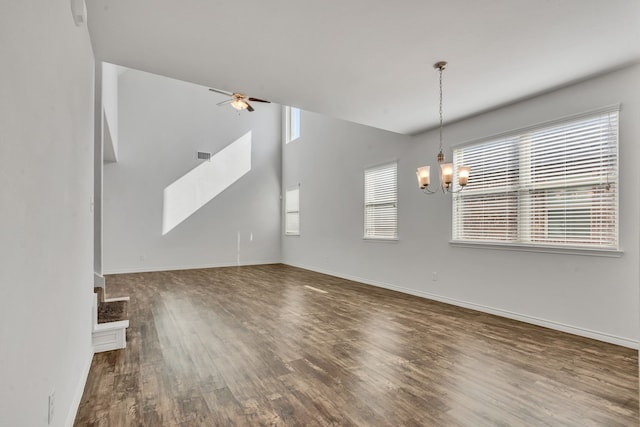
(446, 169)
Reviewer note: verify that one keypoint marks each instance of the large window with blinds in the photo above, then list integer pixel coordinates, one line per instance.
(381, 202)
(549, 185)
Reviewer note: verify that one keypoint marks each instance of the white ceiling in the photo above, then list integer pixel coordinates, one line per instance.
(371, 61)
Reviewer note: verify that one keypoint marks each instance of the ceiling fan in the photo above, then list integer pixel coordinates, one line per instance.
(239, 101)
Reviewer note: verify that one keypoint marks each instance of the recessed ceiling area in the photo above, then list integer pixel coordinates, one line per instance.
(371, 61)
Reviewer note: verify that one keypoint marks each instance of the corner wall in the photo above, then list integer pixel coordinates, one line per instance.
(587, 295)
(46, 243)
(163, 123)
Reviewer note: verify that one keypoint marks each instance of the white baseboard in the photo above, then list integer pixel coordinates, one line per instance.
(575, 330)
(77, 396)
(147, 269)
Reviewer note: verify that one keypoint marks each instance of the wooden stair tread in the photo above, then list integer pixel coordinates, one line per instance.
(112, 311)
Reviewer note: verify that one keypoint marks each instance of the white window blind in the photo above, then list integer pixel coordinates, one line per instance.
(381, 202)
(292, 211)
(550, 185)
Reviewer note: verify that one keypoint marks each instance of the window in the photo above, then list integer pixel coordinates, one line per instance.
(551, 185)
(292, 212)
(292, 124)
(381, 202)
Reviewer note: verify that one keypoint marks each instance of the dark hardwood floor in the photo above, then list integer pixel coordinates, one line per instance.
(255, 346)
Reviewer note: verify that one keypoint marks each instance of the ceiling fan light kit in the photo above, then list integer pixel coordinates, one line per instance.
(446, 169)
(239, 104)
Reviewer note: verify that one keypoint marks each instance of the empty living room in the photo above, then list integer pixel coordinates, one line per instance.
(282, 213)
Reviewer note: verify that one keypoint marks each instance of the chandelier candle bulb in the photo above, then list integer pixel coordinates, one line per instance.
(447, 173)
(423, 176)
(463, 175)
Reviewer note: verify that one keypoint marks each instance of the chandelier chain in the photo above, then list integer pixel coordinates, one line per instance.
(441, 108)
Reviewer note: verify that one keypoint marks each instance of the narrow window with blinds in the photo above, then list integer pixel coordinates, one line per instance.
(292, 124)
(550, 185)
(381, 202)
(292, 212)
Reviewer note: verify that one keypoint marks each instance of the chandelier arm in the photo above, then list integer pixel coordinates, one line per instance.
(428, 191)
(457, 191)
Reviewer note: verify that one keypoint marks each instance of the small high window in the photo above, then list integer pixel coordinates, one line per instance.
(292, 124)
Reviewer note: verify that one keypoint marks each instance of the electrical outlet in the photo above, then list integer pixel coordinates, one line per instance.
(52, 401)
(434, 276)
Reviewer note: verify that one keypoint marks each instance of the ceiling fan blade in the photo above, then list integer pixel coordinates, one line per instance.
(259, 100)
(225, 102)
(249, 107)
(221, 91)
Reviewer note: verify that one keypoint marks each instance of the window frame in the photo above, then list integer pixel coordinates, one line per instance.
(379, 237)
(521, 136)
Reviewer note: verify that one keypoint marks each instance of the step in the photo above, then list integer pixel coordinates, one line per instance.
(112, 311)
(110, 336)
(110, 333)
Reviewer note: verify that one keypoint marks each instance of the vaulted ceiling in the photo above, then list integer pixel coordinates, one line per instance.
(371, 61)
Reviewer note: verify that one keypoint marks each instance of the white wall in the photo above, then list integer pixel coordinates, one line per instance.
(110, 110)
(592, 296)
(46, 176)
(162, 124)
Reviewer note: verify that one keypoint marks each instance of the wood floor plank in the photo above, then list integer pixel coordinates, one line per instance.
(255, 346)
